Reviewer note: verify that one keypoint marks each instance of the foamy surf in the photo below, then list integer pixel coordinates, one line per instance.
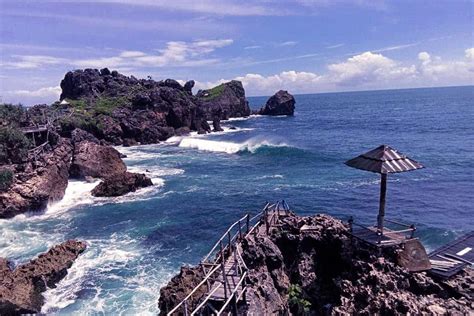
(250, 145)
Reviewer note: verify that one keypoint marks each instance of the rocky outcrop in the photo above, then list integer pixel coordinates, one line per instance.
(114, 107)
(226, 100)
(179, 287)
(318, 270)
(21, 288)
(121, 184)
(39, 181)
(281, 103)
(93, 160)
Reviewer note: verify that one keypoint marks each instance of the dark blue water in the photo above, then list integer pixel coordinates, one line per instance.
(204, 183)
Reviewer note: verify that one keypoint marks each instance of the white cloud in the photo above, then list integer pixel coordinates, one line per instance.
(335, 46)
(176, 53)
(367, 68)
(33, 61)
(287, 43)
(41, 92)
(361, 72)
(469, 53)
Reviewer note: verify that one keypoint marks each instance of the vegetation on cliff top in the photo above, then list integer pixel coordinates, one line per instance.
(214, 92)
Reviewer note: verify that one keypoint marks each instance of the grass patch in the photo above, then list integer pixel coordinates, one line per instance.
(214, 92)
(108, 105)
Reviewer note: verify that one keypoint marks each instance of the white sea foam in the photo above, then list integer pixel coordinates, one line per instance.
(242, 118)
(77, 193)
(227, 147)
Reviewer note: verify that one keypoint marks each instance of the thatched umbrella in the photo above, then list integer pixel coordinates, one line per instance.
(383, 160)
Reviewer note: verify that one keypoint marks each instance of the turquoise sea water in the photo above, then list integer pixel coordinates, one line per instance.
(204, 183)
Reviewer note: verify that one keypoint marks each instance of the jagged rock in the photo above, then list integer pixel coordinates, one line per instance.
(179, 286)
(281, 103)
(39, 181)
(188, 86)
(78, 135)
(216, 125)
(121, 184)
(21, 288)
(96, 161)
(227, 99)
(320, 271)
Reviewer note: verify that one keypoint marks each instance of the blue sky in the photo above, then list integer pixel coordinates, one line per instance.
(302, 46)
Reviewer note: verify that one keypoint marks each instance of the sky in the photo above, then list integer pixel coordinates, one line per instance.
(303, 46)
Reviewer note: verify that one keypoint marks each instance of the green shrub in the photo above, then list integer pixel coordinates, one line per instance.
(296, 302)
(6, 179)
(11, 114)
(14, 145)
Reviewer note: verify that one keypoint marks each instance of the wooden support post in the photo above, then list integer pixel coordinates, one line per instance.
(230, 242)
(240, 230)
(267, 226)
(248, 222)
(224, 278)
(234, 305)
(383, 193)
(185, 306)
(235, 262)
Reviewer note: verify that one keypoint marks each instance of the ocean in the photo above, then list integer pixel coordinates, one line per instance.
(137, 242)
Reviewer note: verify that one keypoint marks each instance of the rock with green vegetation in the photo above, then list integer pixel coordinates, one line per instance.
(224, 101)
(114, 107)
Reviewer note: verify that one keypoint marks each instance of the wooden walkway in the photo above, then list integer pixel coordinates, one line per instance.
(453, 257)
(224, 268)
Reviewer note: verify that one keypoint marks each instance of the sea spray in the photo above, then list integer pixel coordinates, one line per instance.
(250, 145)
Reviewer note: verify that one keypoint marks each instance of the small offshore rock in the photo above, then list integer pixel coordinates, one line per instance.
(121, 184)
(281, 103)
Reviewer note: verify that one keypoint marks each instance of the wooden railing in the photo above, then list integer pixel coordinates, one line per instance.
(213, 264)
(407, 233)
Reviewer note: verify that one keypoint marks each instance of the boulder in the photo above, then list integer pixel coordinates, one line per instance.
(21, 288)
(216, 125)
(78, 135)
(91, 159)
(227, 99)
(188, 87)
(281, 103)
(121, 184)
(39, 181)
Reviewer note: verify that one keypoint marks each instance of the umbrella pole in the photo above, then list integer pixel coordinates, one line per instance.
(383, 192)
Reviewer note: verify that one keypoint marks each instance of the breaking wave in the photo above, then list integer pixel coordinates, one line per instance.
(251, 145)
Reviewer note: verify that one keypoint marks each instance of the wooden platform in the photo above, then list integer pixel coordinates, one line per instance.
(453, 257)
(370, 236)
(232, 280)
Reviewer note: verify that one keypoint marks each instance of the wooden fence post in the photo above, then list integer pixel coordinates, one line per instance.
(248, 222)
(223, 272)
